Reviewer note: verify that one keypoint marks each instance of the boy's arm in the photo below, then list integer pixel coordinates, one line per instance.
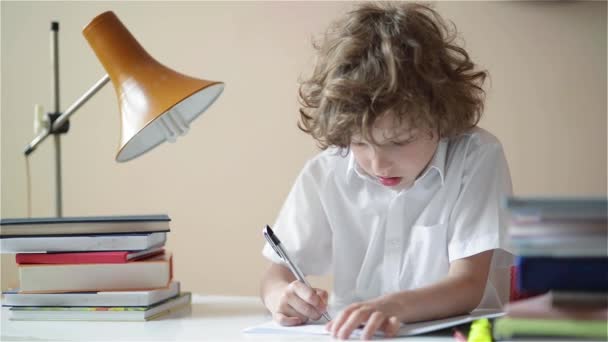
(459, 293)
(290, 301)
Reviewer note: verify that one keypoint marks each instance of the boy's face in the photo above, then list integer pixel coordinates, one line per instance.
(399, 156)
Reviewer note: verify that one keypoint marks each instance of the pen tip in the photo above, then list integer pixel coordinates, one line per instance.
(268, 231)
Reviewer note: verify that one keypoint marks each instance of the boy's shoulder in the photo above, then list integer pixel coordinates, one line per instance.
(474, 151)
(329, 158)
(475, 140)
(327, 162)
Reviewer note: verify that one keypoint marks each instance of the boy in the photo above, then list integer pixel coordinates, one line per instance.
(403, 206)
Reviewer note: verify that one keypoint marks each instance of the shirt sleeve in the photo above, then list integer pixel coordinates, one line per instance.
(478, 221)
(302, 224)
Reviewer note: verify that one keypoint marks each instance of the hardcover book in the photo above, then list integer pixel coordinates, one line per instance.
(557, 245)
(101, 298)
(507, 327)
(567, 208)
(52, 226)
(540, 274)
(65, 313)
(117, 257)
(544, 307)
(71, 243)
(152, 273)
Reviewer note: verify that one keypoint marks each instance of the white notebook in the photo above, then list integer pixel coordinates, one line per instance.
(406, 329)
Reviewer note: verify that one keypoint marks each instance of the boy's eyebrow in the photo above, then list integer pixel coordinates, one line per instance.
(387, 140)
(389, 136)
(404, 136)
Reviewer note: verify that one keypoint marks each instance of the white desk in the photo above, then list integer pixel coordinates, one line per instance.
(212, 318)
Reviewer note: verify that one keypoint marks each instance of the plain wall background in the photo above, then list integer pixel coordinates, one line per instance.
(228, 177)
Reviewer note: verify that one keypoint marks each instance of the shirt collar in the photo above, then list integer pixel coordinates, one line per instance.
(437, 163)
(353, 167)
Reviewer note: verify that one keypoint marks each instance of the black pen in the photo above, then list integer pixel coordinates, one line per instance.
(275, 243)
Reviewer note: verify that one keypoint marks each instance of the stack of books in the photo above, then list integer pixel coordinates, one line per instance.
(91, 268)
(562, 254)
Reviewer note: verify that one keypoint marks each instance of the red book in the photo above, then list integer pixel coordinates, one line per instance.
(115, 257)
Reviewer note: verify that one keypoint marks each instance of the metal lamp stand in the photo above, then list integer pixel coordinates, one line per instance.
(58, 122)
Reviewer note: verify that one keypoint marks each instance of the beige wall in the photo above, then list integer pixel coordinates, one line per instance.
(229, 175)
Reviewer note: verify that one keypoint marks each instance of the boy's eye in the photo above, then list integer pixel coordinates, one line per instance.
(403, 142)
(358, 143)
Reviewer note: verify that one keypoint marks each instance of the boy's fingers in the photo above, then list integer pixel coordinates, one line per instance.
(323, 294)
(310, 296)
(287, 310)
(286, 320)
(322, 307)
(391, 326)
(336, 323)
(306, 293)
(374, 322)
(303, 308)
(355, 319)
(339, 321)
(328, 325)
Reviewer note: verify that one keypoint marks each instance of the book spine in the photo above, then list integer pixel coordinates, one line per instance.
(539, 274)
(573, 229)
(507, 328)
(72, 258)
(581, 299)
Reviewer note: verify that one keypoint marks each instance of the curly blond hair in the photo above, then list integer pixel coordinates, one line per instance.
(398, 58)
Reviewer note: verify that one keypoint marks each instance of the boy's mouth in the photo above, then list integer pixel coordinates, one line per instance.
(390, 181)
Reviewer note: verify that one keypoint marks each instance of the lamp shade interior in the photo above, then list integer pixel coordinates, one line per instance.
(170, 124)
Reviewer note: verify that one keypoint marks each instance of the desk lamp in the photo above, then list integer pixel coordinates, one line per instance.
(156, 103)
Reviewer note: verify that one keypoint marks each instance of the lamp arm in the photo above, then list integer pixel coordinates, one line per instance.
(66, 115)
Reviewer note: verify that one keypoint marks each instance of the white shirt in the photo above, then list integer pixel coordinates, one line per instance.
(376, 240)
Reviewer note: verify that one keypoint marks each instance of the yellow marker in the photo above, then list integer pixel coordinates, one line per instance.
(481, 331)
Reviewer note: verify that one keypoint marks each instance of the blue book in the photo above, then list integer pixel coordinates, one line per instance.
(540, 274)
(83, 225)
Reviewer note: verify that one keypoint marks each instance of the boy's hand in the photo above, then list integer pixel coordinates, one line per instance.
(298, 303)
(373, 314)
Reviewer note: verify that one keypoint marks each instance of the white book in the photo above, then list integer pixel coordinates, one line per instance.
(83, 243)
(98, 299)
(143, 274)
(51, 313)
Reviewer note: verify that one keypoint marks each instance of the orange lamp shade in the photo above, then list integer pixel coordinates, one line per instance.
(156, 103)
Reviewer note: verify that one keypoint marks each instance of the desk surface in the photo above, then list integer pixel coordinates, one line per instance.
(212, 318)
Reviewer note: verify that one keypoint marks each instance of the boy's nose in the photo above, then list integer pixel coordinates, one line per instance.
(381, 166)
